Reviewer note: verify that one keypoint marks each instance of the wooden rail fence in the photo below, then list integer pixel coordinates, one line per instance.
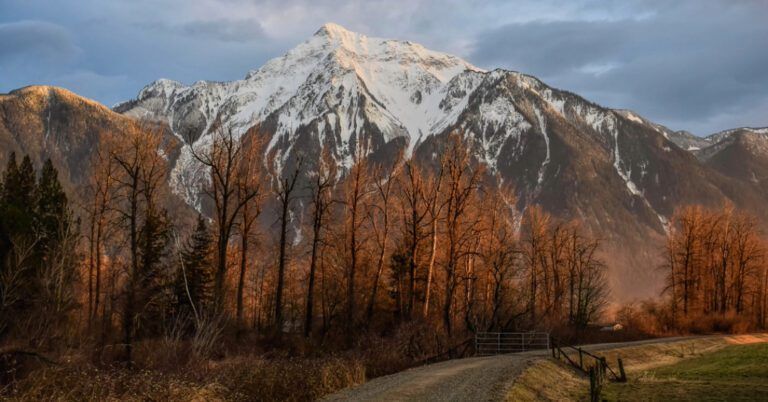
(588, 363)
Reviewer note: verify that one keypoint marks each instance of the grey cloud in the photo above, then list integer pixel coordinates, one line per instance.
(678, 66)
(550, 48)
(35, 39)
(693, 64)
(223, 30)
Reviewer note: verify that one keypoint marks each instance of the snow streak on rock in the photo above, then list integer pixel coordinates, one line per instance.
(543, 128)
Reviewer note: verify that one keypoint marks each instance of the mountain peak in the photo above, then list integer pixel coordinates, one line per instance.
(333, 30)
(43, 94)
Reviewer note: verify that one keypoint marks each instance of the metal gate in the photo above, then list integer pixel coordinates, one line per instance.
(496, 343)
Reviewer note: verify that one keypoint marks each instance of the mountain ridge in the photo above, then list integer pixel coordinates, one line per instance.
(620, 173)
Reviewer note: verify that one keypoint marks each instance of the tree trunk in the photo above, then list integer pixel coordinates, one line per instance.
(312, 268)
(379, 269)
(243, 268)
(221, 259)
(91, 266)
(281, 267)
(97, 289)
(432, 254)
(128, 314)
(351, 278)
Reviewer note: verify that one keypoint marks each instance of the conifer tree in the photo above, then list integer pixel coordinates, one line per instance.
(52, 214)
(37, 249)
(18, 197)
(195, 279)
(153, 278)
(17, 217)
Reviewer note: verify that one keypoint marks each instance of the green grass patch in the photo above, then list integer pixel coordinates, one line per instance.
(738, 372)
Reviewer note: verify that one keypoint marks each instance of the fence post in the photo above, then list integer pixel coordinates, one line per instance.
(603, 369)
(622, 373)
(593, 391)
(522, 342)
(554, 346)
(498, 343)
(581, 360)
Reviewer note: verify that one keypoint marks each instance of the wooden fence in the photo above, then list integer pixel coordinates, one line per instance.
(588, 363)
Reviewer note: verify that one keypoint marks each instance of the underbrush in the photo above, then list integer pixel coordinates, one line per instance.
(235, 379)
(653, 319)
(290, 368)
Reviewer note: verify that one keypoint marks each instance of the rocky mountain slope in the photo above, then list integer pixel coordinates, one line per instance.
(741, 154)
(621, 174)
(46, 122)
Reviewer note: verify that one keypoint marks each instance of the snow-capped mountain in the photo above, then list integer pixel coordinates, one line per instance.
(619, 172)
(343, 87)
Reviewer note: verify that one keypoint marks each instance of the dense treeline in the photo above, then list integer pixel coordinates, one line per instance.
(391, 261)
(39, 263)
(717, 265)
(344, 253)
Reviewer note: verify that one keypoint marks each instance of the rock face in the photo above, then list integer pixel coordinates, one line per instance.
(339, 91)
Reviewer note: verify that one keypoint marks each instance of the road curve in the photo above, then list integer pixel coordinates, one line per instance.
(471, 379)
(478, 378)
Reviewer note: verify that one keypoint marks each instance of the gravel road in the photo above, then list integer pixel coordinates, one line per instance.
(471, 379)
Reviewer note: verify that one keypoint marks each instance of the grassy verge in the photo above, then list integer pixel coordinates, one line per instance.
(737, 372)
(547, 380)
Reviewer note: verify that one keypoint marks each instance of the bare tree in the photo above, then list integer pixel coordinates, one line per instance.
(499, 251)
(226, 159)
(139, 173)
(357, 190)
(285, 191)
(249, 192)
(99, 217)
(13, 276)
(379, 216)
(414, 213)
(535, 227)
(434, 206)
(323, 182)
(462, 184)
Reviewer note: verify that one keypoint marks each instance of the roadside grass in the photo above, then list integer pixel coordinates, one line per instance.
(658, 354)
(647, 366)
(564, 384)
(737, 372)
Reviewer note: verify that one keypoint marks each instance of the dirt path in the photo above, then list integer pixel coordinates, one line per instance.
(471, 379)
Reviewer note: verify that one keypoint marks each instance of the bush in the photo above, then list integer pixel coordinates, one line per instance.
(286, 379)
(729, 323)
(656, 319)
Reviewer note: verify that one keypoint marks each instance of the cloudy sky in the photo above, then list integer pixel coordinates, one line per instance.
(700, 65)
